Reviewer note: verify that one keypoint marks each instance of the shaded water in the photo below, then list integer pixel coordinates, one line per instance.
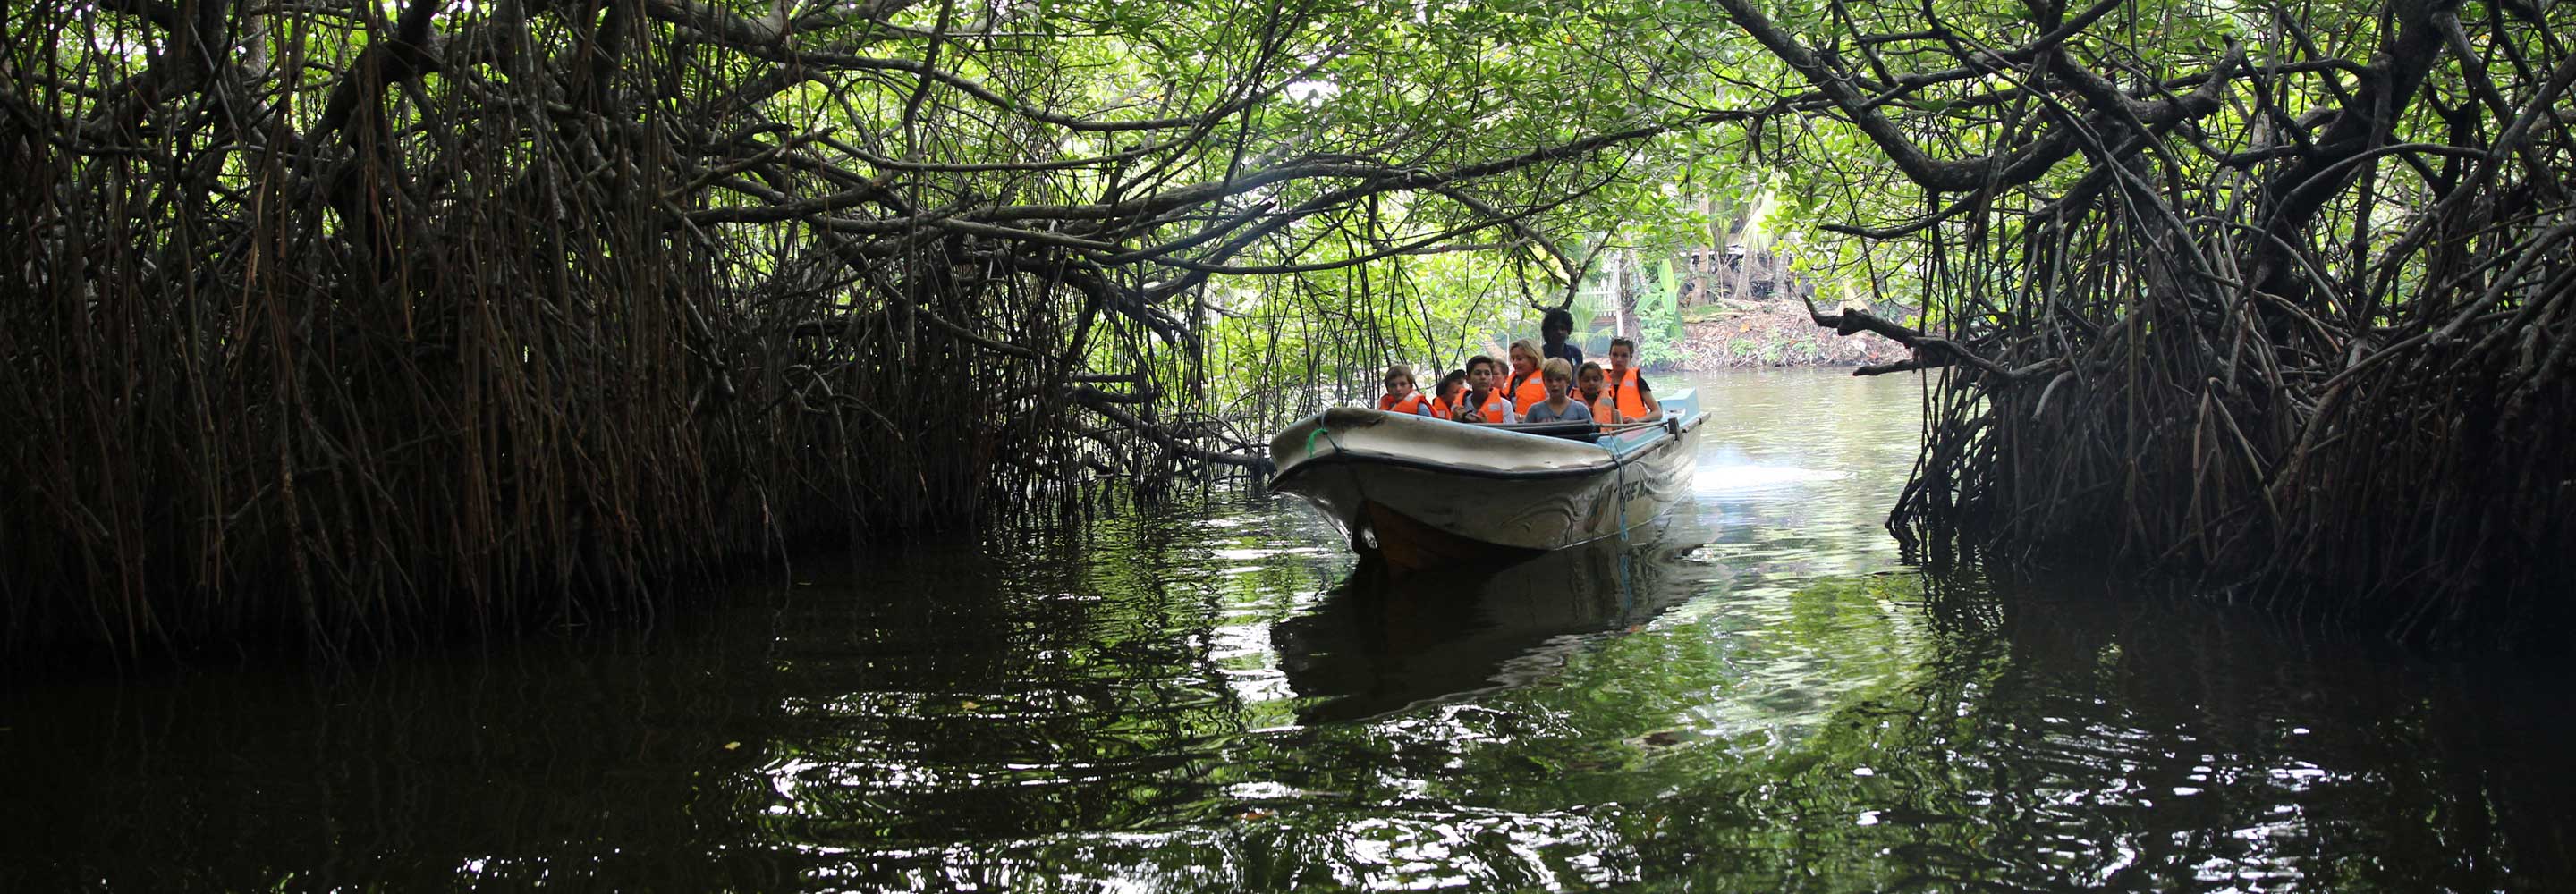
(1764, 697)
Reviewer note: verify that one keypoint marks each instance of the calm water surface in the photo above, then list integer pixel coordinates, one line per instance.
(1765, 696)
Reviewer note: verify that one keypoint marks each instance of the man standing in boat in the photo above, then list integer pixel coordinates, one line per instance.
(1553, 329)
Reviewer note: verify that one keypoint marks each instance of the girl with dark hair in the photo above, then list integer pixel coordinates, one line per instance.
(1588, 381)
(1450, 398)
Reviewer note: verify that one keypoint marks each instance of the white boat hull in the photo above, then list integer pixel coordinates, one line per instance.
(1424, 493)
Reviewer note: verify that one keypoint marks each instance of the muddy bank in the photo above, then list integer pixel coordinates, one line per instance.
(1776, 333)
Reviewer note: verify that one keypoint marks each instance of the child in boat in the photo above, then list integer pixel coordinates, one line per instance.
(1587, 388)
(1559, 406)
(1627, 387)
(1484, 402)
(1400, 396)
(1450, 398)
(1524, 388)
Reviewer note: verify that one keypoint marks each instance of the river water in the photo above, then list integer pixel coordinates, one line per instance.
(1762, 696)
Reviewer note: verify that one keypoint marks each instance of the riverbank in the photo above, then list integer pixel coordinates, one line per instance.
(1776, 333)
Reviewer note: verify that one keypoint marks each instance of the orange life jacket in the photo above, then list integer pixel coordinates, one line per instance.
(1496, 408)
(1526, 391)
(1408, 406)
(1623, 389)
(1605, 409)
(1444, 409)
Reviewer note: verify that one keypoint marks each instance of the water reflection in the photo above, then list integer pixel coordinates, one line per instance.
(1764, 698)
(1379, 642)
(2071, 734)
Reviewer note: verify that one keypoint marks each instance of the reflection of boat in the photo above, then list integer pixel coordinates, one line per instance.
(1379, 642)
(1423, 493)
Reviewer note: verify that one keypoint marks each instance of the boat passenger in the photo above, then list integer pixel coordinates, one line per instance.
(1553, 329)
(1588, 380)
(1400, 396)
(1560, 405)
(1627, 387)
(1484, 401)
(1524, 387)
(1451, 396)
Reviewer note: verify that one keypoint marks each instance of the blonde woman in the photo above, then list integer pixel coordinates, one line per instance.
(1524, 387)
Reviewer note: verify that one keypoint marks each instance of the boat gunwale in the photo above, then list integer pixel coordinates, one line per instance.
(1671, 430)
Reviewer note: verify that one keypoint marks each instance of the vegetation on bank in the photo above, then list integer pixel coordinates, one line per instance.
(2281, 298)
(1774, 333)
(345, 319)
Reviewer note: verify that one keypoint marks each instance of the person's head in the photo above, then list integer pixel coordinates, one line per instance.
(1399, 381)
(1524, 357)
(1623, 352)
(1480, 372)
(1588, 378)
(1451, 384)
(1555, 326)
(1559, 376)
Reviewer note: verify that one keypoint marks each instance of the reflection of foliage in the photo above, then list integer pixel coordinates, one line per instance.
(1094, 708)
(2133, 746)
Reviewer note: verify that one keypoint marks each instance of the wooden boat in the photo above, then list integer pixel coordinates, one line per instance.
(1425, 493)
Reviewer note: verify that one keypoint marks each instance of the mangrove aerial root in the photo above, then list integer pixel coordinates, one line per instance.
(2294, 324)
